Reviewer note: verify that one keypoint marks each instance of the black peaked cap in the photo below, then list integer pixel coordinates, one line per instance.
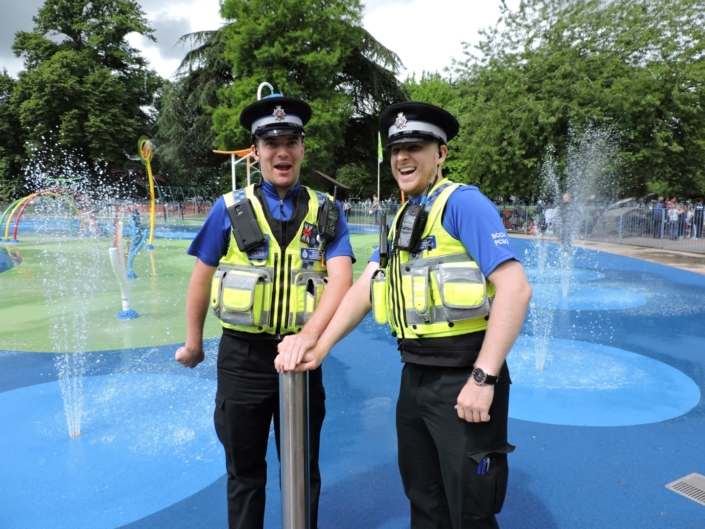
(413, 121)
(280, 115)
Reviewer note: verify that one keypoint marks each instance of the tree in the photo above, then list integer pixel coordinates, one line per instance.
(313, 49)
(341, 70)
(85, 96)
(369, 78)
(631, 66)
(185, 136)
(445, 93)
(12, 152)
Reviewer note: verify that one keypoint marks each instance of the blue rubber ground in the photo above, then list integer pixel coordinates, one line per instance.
(615, 416)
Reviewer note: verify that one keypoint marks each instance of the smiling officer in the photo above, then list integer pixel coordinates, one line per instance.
(273, 262)
(455, 296)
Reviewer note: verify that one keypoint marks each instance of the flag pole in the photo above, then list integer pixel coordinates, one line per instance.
(378, 164)
(379, 161)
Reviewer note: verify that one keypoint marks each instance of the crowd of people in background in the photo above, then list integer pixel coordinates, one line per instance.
(679, 219)
(658, 217)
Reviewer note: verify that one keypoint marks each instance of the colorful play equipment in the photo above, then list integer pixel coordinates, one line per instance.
(117, 262)
(246, 155)
(144, 147)
(21, 204)
(138, 240)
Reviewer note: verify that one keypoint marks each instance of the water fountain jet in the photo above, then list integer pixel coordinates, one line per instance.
(588, 177)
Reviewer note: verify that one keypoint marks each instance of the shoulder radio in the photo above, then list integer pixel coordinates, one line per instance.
(247, 232)
(328, 218)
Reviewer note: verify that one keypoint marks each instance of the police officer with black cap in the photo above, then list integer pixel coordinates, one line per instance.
(273, 271)
(455, 296)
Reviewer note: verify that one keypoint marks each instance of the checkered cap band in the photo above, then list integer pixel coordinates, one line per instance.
(412, 127)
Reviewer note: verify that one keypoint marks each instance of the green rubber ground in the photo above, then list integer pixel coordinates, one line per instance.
(64, 297)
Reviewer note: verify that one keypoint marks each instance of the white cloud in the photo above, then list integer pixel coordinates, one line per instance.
(165, 55)
(426, 34)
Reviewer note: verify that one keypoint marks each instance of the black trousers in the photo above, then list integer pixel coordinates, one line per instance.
(247, 400)
(439, 452)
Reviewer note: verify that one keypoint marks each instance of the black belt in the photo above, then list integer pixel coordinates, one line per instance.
(255, 336)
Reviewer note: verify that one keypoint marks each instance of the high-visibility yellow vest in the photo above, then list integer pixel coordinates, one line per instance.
(438, 290)
(271, 289)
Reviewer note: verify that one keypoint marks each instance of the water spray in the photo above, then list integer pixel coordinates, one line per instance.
(118, 265)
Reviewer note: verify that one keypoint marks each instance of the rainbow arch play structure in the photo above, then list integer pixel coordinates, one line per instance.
(18, 207)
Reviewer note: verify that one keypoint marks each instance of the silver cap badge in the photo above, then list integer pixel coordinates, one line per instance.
(400, 122)
(279, 113)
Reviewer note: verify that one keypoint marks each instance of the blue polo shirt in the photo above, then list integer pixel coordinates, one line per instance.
(472, 218)
(213, 239)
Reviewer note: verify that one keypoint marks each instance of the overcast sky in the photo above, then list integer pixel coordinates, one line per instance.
(426, 34)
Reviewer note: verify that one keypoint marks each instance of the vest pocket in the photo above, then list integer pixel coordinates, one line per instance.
(309, 287)
(378, 297)
(245, 296)
(415, 289)
(419, 290)
(215, 291)
(463, 291)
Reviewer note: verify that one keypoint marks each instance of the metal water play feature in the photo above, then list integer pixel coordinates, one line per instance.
(145, 150)
(122, 274)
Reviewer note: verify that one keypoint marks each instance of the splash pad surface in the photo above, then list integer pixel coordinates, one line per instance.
(556, 480)
(41, 293)
(147, 442)
(587, 384)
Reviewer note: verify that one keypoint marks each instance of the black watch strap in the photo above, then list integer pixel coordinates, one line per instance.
(483, 378)
(490, 380)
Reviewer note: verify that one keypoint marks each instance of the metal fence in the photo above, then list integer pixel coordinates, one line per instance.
(365, 220)
(631, 224)
(172, 202)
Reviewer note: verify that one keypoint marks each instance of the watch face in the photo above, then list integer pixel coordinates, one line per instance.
(478, 375)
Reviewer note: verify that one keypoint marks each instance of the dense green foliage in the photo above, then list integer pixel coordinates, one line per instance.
(11, 141)
(82, 99)
(543, 75)
(553, 68)
(185, 136)
(314, 50)
(299, 47)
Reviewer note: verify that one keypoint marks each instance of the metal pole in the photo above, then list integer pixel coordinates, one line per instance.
(378, 193)
(248, 170)
(295, 483)
(232, 166)
(663, 225)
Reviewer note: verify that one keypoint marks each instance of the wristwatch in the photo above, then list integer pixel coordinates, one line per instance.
(483, 378)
